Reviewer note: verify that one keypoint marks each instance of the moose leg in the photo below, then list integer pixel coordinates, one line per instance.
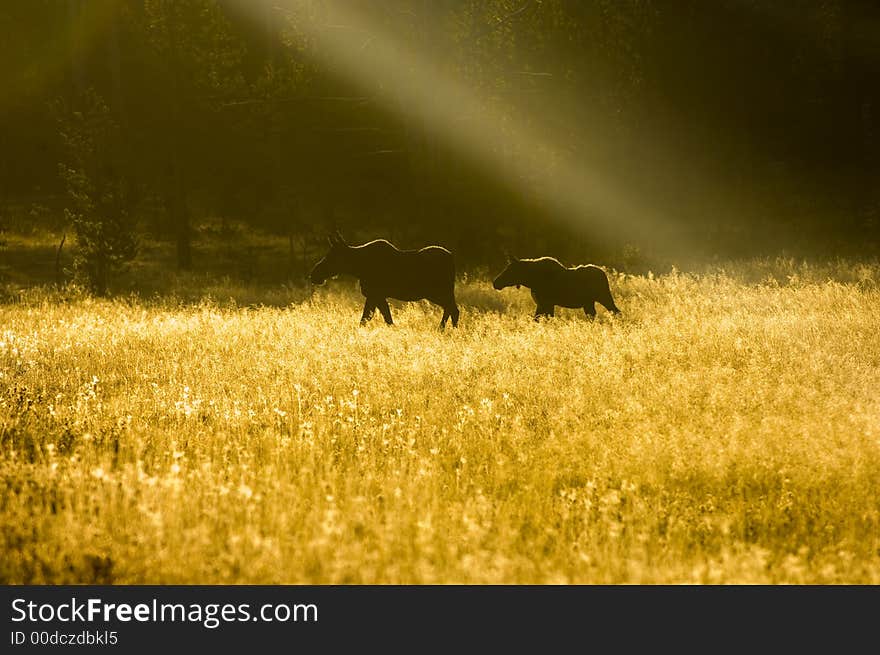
(385, 310)
(369, 310)
(454, 313)
(590, 310)
(450, 310)
(544, 310)
(607, 300)
(610, 306)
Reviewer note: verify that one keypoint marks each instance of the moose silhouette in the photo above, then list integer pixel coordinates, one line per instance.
(554, 284)
(386, 272)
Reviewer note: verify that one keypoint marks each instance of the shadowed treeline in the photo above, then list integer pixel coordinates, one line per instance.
(620, 133)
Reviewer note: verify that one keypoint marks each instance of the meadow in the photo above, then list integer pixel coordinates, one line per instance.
(724, 429)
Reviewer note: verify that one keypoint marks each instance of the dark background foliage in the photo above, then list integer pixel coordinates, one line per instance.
(730, 128)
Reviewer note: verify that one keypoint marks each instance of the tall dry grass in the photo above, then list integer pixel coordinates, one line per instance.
(726, 429)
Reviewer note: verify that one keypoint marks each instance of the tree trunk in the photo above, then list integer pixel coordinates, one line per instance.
(179, 213)
(305, 254)
(116, 66)
(291, 265)
(180, 216)
(99, 282)
(77, 56)
(58, 259)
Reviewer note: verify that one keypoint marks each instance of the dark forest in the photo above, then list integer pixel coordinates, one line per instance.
(614, 131)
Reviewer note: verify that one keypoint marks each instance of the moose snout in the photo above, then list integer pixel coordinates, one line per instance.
(317, 274)
(498, 286)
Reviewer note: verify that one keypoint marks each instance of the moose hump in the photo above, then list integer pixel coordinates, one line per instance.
(385, 272)
(552, 284)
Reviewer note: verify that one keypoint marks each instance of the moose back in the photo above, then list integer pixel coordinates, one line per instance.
(386, 272)
(553, 284)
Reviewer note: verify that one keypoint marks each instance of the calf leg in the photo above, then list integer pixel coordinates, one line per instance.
(369, 310)
(544, 310)
(449, 311)
(610, 306)
(385, 310)
(607, 300)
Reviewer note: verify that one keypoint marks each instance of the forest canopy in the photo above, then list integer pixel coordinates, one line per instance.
(730, 128)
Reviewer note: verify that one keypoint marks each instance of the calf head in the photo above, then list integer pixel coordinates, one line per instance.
(334, 262)
(510, 276)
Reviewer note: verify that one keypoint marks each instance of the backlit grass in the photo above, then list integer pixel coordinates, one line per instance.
(725, 429)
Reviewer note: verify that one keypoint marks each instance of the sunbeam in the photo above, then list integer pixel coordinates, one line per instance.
(514, 145)
(77, 27)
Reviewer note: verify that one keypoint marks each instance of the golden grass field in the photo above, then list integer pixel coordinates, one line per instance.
(725, 429)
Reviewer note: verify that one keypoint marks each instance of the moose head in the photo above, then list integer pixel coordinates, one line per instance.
(335, 262)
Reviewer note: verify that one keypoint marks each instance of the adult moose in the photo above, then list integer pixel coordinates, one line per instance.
(386, 272)
(553, 284)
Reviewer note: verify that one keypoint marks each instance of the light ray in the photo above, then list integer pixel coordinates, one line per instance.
(407, 80)
(75, 36)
